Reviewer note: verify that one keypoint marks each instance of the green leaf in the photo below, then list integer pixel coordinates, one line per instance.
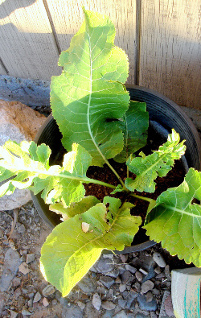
(75, 208)
(176, 219)
(73, 251)
(87, 99)
(135, 128)
(148, 168)
(28, 167)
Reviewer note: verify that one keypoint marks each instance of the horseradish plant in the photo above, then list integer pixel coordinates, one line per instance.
(98, 122)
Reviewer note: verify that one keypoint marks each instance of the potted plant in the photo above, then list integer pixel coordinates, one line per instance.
(101, 127)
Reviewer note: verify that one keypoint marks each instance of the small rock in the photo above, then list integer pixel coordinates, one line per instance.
(157, 270)
(143, 271)
(16, 282)
(87, 285)
(149, 296)
(107, 281)
(30, 258)
(137, 286)
(71, 311)
(126, 277)
(123, 257)
(146, 286)
(159, 259)
(130, 297)
(24, 269)
(144, 305)
(11, 264)
(105, 265)
(81, 305)
(155, 291)
(96, 301)
(108, 305)
(20, 228)
(122, 288)
(122, 303)
(13, 314)
(130, 269)
(108, 255)
(25, 312)
(151, 274)
(37, 297)
(114, 273)
(168, 306)
(121, 314)
(48, 290)
(45, 302)
(139, 276)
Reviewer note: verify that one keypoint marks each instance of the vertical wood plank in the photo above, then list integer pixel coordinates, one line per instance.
(67, 17)
(170, 55)
(27, 45)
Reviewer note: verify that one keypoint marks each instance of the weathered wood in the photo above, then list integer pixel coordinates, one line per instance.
(67, 17)
(170, 49)
(27, 45)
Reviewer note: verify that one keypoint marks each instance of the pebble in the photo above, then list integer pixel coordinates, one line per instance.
(30, 258)
(146, 286)
(168, 306)
(121, 314)
(24, 269)
(11, 264)
(157, 257)
(45, 302)
(126, 277)
(72, 311)
(104, 265)
(144, 305)
(13, 314)
(48, 290)
(87, 285)
(131, 269)
(108, 305)
(107, 281)
(139, 276)
(96, 301)
(25, 312)
(130, 297)
(149, 296)
(122, 288)
(37, 297)
(81, 305)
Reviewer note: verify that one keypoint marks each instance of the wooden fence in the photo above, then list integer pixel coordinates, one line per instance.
(161, 37)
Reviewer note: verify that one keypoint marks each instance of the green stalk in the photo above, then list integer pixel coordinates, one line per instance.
(143, 198)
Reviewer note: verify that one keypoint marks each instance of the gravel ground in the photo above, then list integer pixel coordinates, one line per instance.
(130, 285)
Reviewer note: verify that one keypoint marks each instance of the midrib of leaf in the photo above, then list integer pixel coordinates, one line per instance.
(182, 211)
(62, 175)
(88, 115)
(153, 165)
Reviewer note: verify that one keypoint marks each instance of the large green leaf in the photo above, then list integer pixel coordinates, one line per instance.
(176, 219)
(28, 167)
(88, 97)
(70, 251)
(135, 128)
(159, 163)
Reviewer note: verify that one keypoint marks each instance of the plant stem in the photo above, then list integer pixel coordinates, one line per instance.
(142, 198)
(116, 174)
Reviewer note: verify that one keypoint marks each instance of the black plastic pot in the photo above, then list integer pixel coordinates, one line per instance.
(164, 115)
